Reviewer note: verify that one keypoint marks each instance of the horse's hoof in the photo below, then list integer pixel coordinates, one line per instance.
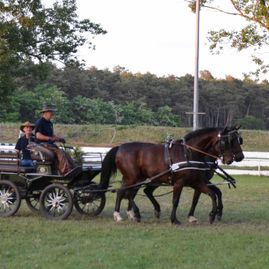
(219, 215)
(117, 217)
(192, 219)
(211, 218)
(157, 214)
(176, 222)
(131, 215)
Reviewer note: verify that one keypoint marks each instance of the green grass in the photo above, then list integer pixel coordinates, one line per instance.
(240, 240)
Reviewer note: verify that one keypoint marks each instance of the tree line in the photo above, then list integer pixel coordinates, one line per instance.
(33, 37)
(121, 97)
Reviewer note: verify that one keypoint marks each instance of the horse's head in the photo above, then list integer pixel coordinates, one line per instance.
(229, 144)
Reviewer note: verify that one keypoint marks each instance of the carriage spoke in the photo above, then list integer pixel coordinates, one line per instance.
(56, 202)
(9, 198)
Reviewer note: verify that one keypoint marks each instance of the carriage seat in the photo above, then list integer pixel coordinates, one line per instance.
(10, 162)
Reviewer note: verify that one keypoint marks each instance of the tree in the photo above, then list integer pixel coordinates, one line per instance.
(254, 35)
(31, 32)
(25, 105)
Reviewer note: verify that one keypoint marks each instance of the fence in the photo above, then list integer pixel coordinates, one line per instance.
(254, 163)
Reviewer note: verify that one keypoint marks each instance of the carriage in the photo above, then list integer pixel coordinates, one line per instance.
(45, 191)
(191, 161)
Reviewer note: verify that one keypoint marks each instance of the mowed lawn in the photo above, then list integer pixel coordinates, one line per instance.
(240, 240)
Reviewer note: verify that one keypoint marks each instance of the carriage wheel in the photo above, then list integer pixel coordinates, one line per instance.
(33, 203)
(56, 202)
(10, 198)
(88, 203)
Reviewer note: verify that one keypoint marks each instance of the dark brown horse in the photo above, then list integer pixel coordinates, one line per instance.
(209, 173)
(138, 161)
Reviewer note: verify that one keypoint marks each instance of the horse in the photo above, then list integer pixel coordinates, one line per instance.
(150, 188)
(138, 161)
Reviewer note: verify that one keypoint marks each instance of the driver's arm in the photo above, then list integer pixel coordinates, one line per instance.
(42, 137)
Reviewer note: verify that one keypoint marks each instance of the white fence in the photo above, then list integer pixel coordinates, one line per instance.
(254, 163)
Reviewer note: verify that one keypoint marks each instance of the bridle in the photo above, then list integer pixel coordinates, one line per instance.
(223, 141)
(227, 139)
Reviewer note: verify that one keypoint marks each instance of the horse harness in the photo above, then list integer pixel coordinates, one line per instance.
(186, 165)
(197, 165)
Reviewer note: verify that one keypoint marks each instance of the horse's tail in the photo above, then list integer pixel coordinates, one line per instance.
(109, 168)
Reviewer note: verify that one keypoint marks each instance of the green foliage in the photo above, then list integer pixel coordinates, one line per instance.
(165, 117)
(30, 32)
(27, 104)
(76, 154)
(251, 122)
(122, 98)
(253, 35)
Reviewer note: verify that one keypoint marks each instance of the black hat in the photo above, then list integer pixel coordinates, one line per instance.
(50, 108)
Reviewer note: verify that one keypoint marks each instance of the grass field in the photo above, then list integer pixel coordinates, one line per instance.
(240, 240)
(79, 135)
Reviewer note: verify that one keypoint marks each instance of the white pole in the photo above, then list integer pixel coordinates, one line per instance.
(196, 73)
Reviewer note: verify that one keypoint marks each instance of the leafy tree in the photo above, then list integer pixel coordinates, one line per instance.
(26, 104)
(85, 110)
(31, 32)
(250, 122)
(253, 35)
(165, 117)
(134, 113)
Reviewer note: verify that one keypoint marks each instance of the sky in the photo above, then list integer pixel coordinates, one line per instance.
(158, 36)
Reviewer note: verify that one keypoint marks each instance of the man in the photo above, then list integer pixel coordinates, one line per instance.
(23, 141)
(44, 127)
(44, 134)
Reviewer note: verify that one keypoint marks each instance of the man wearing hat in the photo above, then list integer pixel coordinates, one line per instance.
(22, 143)
(45, 135)
(44, 127)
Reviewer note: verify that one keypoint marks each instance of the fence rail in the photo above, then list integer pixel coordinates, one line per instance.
(254, 163)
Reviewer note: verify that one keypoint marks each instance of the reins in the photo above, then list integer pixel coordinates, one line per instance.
(201, 151)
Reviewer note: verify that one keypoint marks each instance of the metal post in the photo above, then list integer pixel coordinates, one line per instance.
(196, 73)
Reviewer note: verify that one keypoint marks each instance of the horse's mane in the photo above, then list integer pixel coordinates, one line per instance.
(199, 132)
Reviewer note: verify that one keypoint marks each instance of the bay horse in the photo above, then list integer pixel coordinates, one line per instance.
(150, 188)
(138, 161)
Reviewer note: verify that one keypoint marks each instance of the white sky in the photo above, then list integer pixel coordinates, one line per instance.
(158, 36)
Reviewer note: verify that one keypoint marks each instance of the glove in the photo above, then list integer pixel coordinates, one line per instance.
(62, 140)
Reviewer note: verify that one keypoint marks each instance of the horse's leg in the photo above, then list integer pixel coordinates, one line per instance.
(133, 212)
(137, 216)
(149, 192)
(205, 189)
(219, 204)
(116, 214)
(176, 195)
(195, 200)
(129, 211)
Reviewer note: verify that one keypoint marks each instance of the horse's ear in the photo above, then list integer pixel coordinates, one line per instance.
(237, 126)
(224, 129)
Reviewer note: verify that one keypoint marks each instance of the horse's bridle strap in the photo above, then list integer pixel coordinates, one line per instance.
(201, 151)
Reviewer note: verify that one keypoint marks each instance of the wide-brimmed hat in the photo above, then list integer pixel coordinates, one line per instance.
(50, 108)
(27, 124)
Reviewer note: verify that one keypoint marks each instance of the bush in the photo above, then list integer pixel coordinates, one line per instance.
(251, 122)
